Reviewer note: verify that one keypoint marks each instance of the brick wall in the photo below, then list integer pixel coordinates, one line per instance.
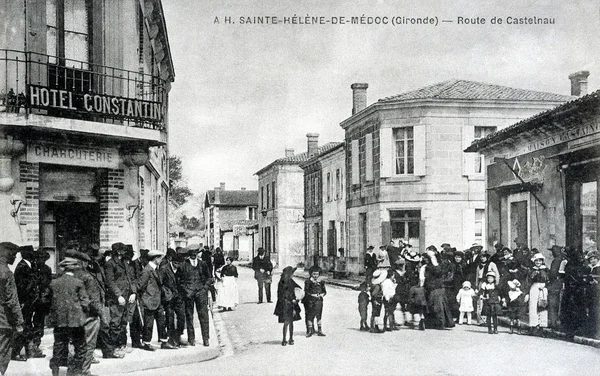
(29, 174)
(112, 215)
(142, 215)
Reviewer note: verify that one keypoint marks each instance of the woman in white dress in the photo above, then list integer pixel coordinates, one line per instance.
(228, 297)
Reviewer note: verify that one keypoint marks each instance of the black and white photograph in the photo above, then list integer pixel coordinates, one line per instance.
(252, 187)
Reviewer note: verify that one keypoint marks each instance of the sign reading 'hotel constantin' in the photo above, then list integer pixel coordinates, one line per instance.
(105, 105)
(72, 155)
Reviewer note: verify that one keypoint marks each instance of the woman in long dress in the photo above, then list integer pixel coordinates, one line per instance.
(537, 279)
(228, 296)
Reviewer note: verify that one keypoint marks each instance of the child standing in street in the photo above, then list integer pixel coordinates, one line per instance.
(287, 309)
(314, 291)
(363, 305)
(491, 301)
(418, 305)
(379, 276)
(465, 300)
(515, 304)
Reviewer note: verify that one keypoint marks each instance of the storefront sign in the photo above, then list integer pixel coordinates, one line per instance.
(73, 155)
(91, 103)
(565, 136)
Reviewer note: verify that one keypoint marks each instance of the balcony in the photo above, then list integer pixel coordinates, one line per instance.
(49, 93)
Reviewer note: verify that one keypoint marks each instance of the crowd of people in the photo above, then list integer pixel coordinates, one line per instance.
(96, 295)
(441, 288)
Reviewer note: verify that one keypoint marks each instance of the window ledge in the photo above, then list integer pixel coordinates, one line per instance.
(403, 179)
(476, 177)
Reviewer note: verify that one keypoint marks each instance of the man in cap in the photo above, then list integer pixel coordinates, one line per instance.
(43, 301)
(70, 302)
(150, 291)
(25, 278)
(263, 269)
(11, 318)
(195, 282)
(120, 286)
(171, 298)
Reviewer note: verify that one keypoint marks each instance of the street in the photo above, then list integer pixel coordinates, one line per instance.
(253, 346)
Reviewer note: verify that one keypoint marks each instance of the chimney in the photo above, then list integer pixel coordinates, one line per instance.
(579, 83)
(222, 186)
(217, 195)
(312, 141)
(359, 97)
(289, 152)
(243, 188)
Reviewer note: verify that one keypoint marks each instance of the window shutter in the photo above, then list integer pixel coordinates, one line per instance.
(468, 226)
(355, 167)
(369, 157)
(386, 153)
(386, 233)
(422, 244)
(468, 135)
(420, 150)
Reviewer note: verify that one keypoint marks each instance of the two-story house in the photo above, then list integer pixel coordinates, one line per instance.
(229, 218)
(84, 91)
(407, 175)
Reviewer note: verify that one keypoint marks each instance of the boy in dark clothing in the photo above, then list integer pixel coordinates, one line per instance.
(314, 291)
(363, 306)
(418, 305)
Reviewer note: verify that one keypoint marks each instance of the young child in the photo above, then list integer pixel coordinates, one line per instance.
(515, 304)
(418, 305)
(314, 291)
(491, 301)
(465, 300)
(363, 305)
(379, 276)
(287, 309)
(388, 287)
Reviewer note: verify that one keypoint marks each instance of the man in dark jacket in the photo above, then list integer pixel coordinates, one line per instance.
(371, 263)
(11, 318)
(69, 311)
(149, 293)
(25, 278)
(555, 284)
(171, 298)
(134, 311)
(263, 270)
(195, 283)
(120, 293)
(42, 304)
(207, 256)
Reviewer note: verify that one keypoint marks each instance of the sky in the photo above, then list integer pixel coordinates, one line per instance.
(243, 93)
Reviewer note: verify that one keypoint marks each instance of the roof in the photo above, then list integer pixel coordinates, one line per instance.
(471, 90)
(297, 158)
(233, 198)
(334, 146)
(588, 103)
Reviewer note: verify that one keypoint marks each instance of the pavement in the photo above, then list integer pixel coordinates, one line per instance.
(137, 360)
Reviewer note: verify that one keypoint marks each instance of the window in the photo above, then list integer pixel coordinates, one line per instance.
(316, 191)
(481, 132)
(337, 184)
(268, 195)
(251, 213)
(404, 156)
(272, 194)
(589, 215)
(479, 225)
(67, 31)
(405, 224)
(331, 239)
(262, 197)
(328, 186)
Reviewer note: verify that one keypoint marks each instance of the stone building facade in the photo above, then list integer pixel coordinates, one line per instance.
(407, 176)
(543, 175)
(83, 123)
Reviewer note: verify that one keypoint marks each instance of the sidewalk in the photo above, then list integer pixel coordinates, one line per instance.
(137, 360)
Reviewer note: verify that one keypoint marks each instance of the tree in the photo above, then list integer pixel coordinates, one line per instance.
(179, 189)
(190, 224)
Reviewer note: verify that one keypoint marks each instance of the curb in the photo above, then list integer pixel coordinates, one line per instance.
(552, 334)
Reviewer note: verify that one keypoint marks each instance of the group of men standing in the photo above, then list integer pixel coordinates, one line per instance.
(95, 296)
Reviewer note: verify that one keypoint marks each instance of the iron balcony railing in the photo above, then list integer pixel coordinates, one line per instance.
(33, 83)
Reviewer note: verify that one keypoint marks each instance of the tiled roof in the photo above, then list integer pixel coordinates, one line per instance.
(234, 198)
(334, 146)
(298, 158)
(588, 103)
(470, 90)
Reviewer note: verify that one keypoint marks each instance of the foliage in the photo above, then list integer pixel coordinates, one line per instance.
(179, 189)
(190, 224)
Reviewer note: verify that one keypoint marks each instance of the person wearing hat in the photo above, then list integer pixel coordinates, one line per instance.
(573, 302)
(70, 302)
(25, 278)
(464, 298)
(120, 294)
(95, 310)
(433, 280)
(149, 291)
(491, 301)
(11, 317)
(172, 300)
(314, 290)
(371, 263)
(538, 294)
(515, 304)
(134, 311)
(379, 276)
(42, 303)
(593, 293)
(195, 284)
(287, 308)
(484, 266)
(263, 269)
(555, 284)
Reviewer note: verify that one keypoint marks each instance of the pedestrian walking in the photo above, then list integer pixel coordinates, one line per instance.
(69, 303)
(195, 284)
(227, 292)
(263, 269)
(314, 291)
(149, 292)
(27, 289)
(538, 294)
(287, 308)
(464, 299)
(363, 305)
(172, 299)
(11, 318)
(491, 301)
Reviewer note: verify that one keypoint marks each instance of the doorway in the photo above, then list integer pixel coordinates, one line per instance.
(519, 219)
